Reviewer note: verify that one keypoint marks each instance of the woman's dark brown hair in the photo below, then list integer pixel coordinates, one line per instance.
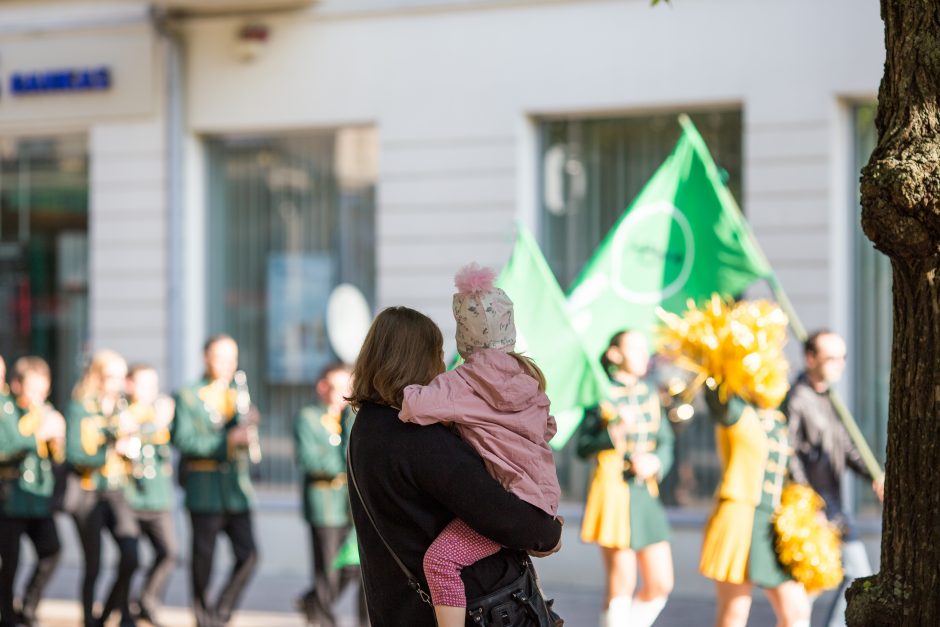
(403, 347)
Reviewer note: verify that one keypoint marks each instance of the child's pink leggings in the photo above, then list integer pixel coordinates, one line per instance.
(457, 546)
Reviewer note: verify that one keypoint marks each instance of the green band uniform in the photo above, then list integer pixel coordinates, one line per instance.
(151, 486)
(623, 512)
(215, 478)
(320, 446)
(26, 464)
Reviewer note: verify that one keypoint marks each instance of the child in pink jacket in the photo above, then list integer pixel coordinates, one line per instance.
(496, 401)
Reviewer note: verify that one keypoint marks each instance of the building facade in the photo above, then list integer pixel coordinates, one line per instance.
(246, 157)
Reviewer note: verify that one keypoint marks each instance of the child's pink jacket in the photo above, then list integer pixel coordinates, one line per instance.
(498, 409)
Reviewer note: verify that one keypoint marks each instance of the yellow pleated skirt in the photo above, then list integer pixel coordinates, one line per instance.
(739, 546)
(727, 543)
(620, 514)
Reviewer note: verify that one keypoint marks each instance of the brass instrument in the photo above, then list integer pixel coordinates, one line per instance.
(149, 420)
(242, 409)
(54, 448)
(127, 428)
(677, 389)
(123, 441)
(679, 410)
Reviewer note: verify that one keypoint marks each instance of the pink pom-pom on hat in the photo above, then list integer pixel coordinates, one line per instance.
(474, 278)
(483, 312)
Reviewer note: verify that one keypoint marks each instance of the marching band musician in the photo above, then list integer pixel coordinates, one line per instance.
(99, 436)
(32, 439)
(321, 431)
(214, 439)
(150, 490)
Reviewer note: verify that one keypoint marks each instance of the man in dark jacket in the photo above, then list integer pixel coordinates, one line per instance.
(824, 451)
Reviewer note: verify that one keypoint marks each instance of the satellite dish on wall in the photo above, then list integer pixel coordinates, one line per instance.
(348, 318)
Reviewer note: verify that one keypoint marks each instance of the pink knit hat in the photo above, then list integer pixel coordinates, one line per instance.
(483, 312)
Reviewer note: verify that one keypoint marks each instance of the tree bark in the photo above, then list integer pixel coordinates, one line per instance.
(901, 216)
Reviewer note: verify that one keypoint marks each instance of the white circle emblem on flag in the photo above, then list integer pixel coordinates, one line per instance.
(646, 271)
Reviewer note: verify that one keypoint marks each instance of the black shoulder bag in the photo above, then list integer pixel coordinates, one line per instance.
(519, 604)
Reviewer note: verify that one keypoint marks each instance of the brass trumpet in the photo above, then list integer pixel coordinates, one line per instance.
(242, 409)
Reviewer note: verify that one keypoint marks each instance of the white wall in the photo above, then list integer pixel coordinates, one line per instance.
(451, 86)
(128, 240)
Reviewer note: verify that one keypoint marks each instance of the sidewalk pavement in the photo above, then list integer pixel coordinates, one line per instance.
(574, 576)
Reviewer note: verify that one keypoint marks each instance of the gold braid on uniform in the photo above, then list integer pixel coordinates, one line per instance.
(735, 347)
(91, 436)
(28, 425)
(221, 399)
(29, 422)
(807, 545)
(332, 422)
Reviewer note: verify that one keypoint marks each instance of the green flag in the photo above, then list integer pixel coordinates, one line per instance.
(682, 237)
(544, 332)
(348, 553)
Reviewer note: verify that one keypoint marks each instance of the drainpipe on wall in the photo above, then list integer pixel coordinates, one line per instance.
(174, 85)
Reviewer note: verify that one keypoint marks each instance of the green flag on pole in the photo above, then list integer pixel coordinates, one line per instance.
(682, 237)
(544, 333)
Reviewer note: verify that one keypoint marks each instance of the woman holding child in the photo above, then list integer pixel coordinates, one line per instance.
(417, 478)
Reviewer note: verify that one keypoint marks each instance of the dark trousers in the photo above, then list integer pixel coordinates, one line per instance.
(94, 512)
(328, 582)
(205, 530)
(42, 533)
(157, 527)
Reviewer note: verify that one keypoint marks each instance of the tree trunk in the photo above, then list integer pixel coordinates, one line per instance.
(901, 215)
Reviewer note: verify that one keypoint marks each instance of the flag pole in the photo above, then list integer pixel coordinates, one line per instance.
(800, 332)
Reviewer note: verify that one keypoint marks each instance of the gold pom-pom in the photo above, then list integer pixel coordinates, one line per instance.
(807, 545)
(738, 347)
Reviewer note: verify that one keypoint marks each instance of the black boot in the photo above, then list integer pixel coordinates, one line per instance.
(148, 614)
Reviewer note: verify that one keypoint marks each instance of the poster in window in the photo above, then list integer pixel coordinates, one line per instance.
(299, 285)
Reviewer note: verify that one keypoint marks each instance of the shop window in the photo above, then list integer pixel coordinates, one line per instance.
(44, 255)
(290, 218)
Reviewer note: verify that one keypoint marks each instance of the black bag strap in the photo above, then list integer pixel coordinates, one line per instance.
(413, 582)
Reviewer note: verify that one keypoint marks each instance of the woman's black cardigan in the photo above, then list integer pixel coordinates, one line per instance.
(415, 481)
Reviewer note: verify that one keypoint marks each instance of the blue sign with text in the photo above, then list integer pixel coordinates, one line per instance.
(67, 80)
